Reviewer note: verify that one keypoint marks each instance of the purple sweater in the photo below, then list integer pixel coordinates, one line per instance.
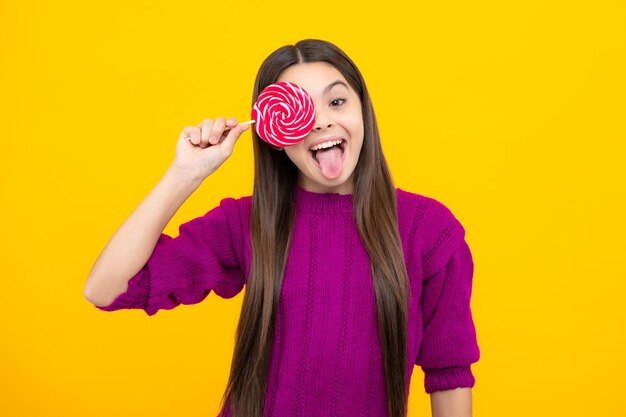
(326, 356)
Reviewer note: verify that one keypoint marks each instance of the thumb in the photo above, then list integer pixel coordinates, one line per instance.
(229, 141)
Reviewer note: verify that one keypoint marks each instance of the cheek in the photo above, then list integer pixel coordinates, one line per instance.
(356, 127)
(355, 120)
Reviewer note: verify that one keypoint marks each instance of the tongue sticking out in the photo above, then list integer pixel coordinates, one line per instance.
(330, 161)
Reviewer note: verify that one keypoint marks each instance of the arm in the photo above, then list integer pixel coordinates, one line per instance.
(452, 403)
(131, 245)
(449, 345)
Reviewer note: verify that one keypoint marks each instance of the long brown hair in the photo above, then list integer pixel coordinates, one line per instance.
(271, 221)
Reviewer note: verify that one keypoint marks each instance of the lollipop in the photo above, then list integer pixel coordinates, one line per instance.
(283, 113)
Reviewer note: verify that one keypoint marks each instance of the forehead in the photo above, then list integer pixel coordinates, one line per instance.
(314, 77)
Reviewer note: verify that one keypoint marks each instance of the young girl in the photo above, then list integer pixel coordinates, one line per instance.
(350, 282)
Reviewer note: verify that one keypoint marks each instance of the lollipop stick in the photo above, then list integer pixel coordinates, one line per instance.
(249, 122)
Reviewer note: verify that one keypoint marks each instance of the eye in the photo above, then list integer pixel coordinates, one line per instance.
(342, 100)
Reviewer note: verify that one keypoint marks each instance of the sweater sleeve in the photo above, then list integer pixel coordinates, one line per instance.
(186, 268)
(449, 345)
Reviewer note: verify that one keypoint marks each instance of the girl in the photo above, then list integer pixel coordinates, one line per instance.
(350, 282)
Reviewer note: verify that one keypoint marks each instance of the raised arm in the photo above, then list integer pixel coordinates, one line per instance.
(200, 151)
(131, 245)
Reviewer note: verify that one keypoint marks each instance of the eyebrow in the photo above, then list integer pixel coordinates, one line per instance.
(334, 83)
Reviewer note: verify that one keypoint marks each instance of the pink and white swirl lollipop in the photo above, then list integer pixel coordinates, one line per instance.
(283, 113)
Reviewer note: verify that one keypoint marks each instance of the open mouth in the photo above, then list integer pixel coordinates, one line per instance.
(341, 146)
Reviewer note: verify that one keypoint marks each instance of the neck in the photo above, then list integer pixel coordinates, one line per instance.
(321, 202)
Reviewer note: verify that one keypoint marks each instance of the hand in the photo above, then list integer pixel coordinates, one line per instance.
(201, 150)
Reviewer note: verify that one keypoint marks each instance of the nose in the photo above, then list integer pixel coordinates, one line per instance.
(321, 121)
(319, 127)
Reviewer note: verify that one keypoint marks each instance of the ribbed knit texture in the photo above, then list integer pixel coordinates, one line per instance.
(326, 357)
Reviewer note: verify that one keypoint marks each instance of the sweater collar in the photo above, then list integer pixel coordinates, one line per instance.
(311, 202)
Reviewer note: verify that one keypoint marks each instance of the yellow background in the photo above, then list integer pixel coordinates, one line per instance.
(510, 113)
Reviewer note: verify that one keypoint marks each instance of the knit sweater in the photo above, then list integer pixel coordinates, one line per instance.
(326, 357)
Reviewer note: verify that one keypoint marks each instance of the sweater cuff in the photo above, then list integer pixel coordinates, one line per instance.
(440, 379)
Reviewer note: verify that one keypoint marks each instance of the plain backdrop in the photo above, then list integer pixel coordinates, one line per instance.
(510, 113)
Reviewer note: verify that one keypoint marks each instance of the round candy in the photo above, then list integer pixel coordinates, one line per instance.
(284, 114)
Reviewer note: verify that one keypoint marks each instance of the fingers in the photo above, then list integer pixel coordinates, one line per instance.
(205, 127)
(231, 122)
(192, 134)
(213, 130)
(216, 131)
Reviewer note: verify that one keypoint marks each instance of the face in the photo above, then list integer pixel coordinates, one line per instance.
(338, 117)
